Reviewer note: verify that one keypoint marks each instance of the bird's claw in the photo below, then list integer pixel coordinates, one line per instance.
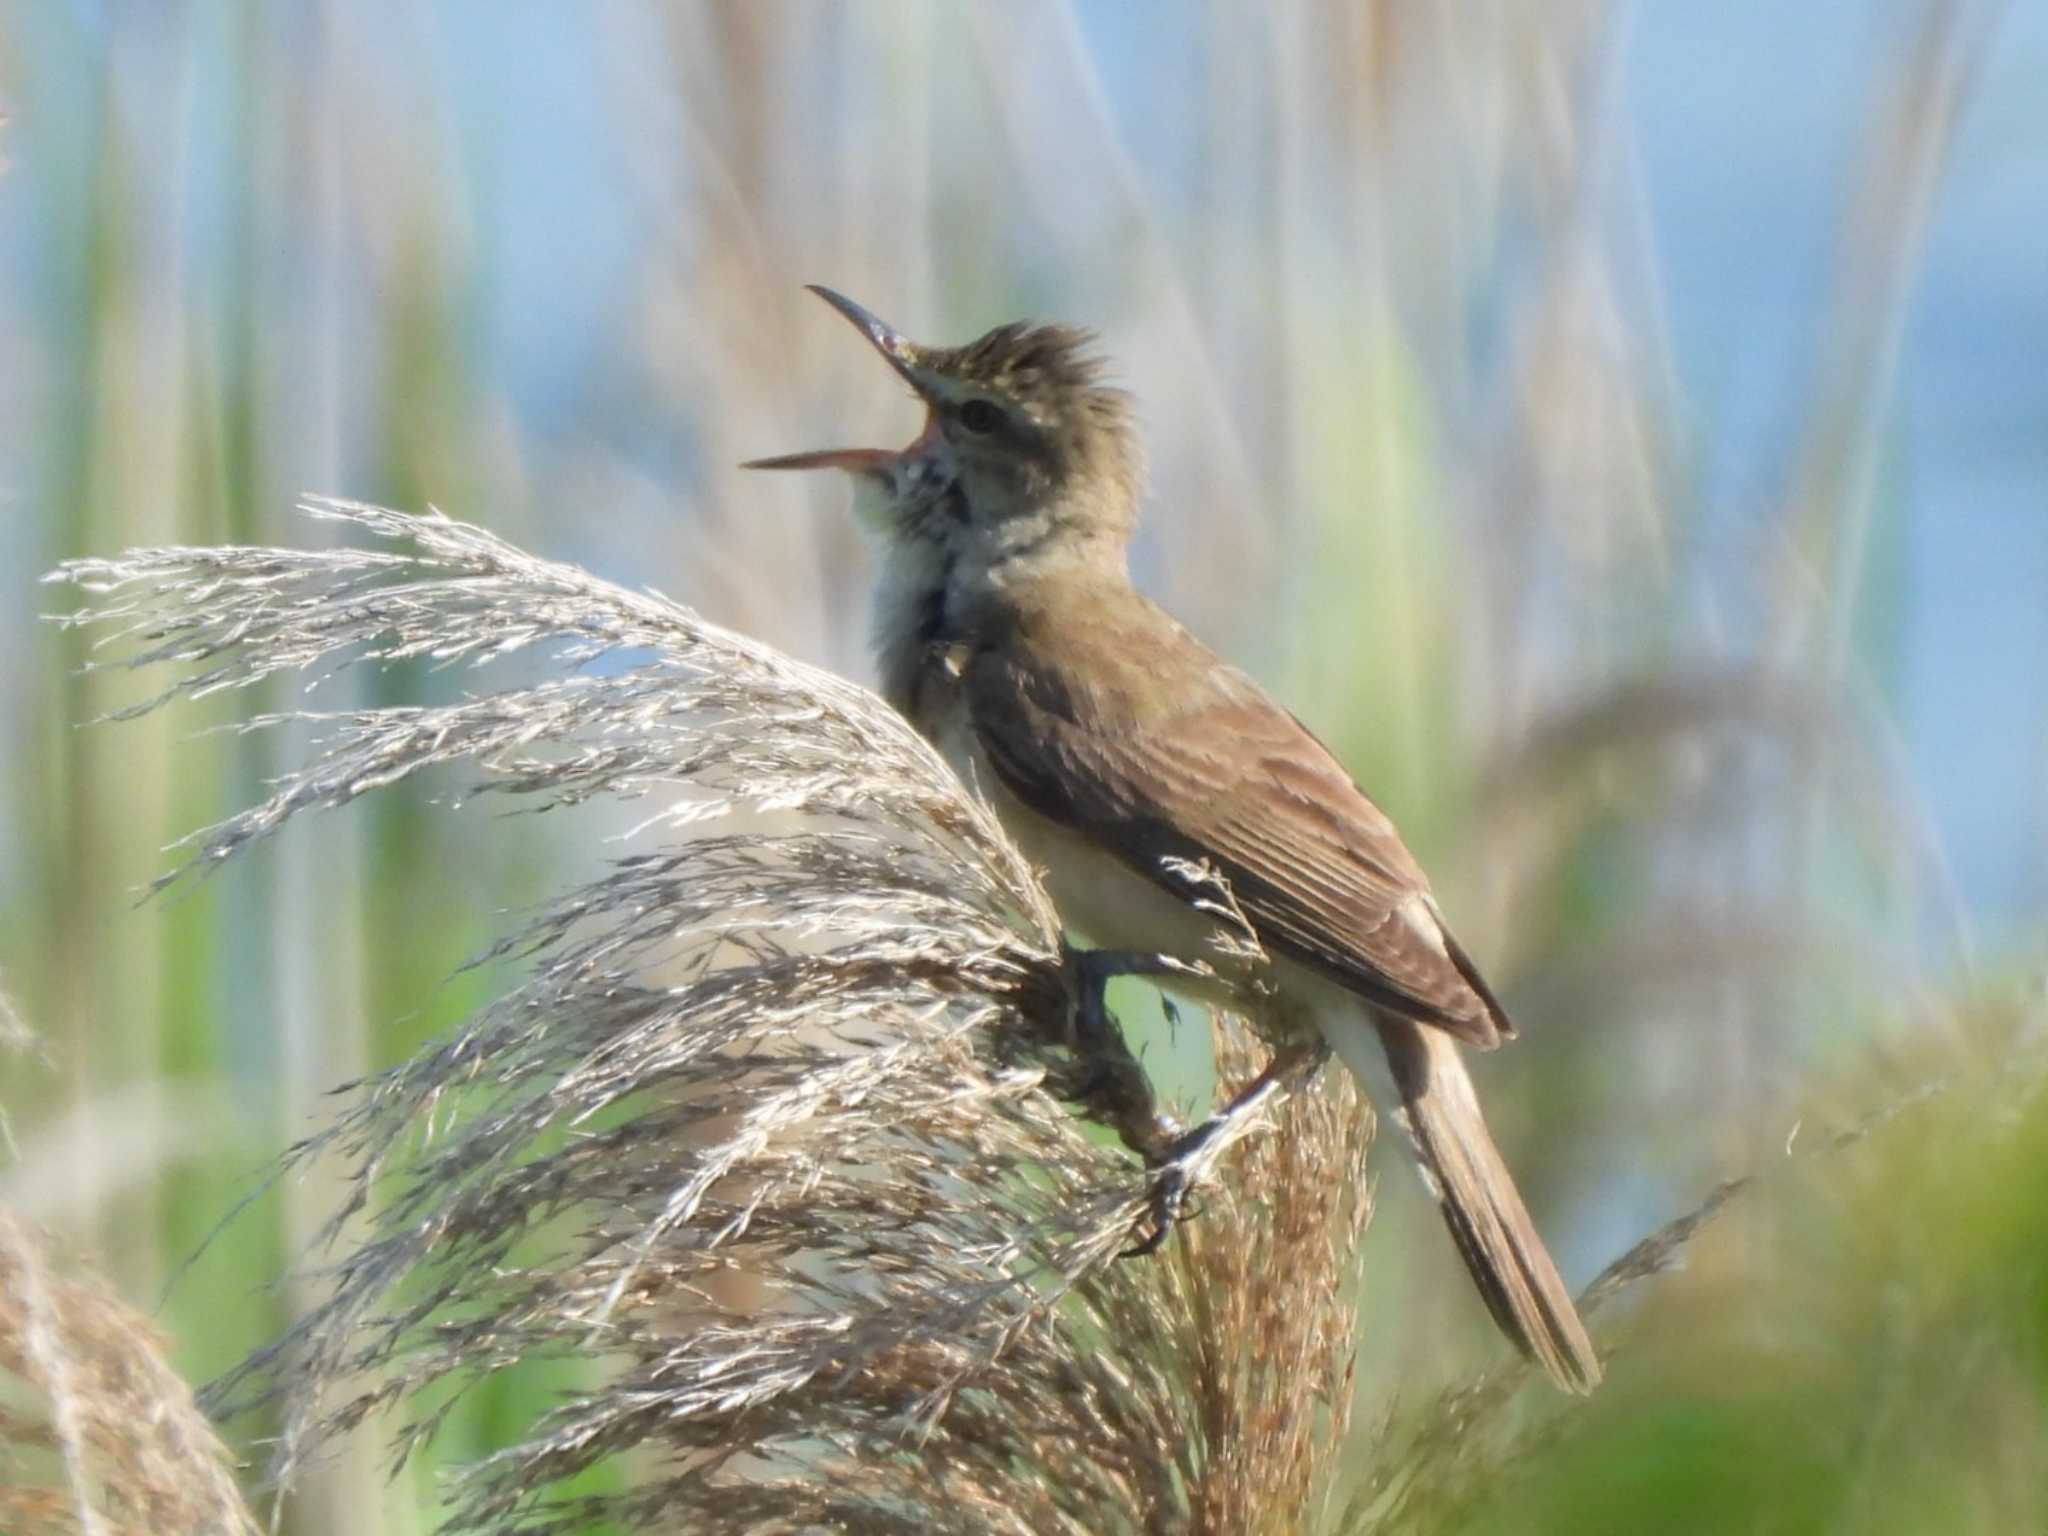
(1187, 1156)
(1172, 1181)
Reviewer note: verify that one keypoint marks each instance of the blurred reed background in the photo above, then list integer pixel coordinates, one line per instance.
(1619, 430)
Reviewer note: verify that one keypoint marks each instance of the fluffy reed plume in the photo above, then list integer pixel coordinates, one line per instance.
(98, 1435)
(777, 1132)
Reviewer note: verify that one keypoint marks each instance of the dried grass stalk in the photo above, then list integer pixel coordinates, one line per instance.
(98, 1435)
(776, 1128)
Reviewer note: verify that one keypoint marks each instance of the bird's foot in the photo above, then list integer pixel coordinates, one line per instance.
(1187, 1160)
(1188, 1157)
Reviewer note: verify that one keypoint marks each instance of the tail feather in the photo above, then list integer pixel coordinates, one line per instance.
(1484, 1211)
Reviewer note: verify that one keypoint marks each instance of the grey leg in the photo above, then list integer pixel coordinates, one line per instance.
(1188, 1156)
(1113, 1085)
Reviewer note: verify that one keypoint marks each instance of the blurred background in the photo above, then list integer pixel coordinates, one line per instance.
(1620, 430)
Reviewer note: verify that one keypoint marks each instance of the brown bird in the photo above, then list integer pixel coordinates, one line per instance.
(1123, 754)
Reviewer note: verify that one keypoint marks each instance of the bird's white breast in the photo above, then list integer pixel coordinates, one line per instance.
(1102, 899)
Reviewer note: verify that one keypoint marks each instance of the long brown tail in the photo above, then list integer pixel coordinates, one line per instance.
(1481, 1206)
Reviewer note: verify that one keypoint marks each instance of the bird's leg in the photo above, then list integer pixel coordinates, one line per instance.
(1188, 1156)
(1092, 970)
(1118, 1092)
(1114, 1085)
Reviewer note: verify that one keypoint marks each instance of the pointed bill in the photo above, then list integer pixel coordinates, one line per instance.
(853, 460)
(903, 354)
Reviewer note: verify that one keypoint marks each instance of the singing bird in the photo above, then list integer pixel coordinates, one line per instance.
(1121, 754)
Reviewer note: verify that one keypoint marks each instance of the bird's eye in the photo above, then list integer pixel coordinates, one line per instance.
(980, 416)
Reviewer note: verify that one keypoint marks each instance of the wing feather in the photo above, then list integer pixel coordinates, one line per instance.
(1086, 730)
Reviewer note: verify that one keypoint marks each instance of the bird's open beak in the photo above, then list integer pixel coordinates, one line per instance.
(904, 355)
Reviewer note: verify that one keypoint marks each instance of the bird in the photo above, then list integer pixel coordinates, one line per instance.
(1143, 774)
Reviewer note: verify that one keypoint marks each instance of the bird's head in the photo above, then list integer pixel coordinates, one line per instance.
(1023, 444)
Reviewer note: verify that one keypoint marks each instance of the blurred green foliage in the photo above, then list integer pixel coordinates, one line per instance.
(1862, 1351)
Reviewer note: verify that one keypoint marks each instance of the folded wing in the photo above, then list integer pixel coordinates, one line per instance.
(1079, 729)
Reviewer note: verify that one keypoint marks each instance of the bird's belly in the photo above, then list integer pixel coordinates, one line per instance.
(1108, 902)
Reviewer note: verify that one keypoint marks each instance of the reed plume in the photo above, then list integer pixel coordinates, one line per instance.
(782, 1129)
(98, 1434)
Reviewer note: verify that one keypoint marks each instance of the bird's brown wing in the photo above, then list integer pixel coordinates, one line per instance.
(1122, 726)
